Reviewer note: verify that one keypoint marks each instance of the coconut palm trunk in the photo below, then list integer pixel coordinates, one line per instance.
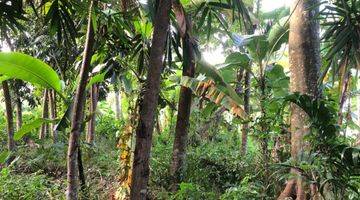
(78, 111)
(144, 131)
(304, 54)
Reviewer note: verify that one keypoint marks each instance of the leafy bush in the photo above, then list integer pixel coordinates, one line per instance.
(246, 190)
(191, 191)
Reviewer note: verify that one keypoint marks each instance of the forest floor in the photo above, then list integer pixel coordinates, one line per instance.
(214, 170)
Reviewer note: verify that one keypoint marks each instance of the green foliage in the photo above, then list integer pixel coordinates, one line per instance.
(30, 127)
(27, 68)
(246, 190)
(190, 191)
(331, 163)
(28, 186)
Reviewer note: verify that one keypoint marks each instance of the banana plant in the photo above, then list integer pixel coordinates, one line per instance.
(16, 65)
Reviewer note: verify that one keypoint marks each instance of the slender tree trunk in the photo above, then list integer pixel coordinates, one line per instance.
(245, 127)
(9, 116)
(343, 96)
(8, 106)
(145, 127)
(247, 87)
(81, 172)
(183, 117)
(78, 111)
(118, 111)
(304, 51)
(358, 109)
(52, 109)
(18, 112)
(90, 135)
(45, 114)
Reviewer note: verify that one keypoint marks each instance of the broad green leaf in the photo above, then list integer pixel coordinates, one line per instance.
(27, 68)
(3, 78)
(279, 34)
(30, 127)
(3, 156)
(212, 73)
(258, 47)
(233, 63)
(237, 58)
(184, 2)
(96, 79)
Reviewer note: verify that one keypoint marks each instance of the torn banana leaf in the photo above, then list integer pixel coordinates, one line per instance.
(217, 94)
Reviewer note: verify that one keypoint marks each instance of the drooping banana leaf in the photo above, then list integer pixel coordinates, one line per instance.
(27, 68)
(212, 73)
(216, 93)
(31, 126)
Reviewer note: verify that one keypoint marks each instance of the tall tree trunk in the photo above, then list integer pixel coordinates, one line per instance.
(304, 54)
(9, 116)
(358, 109)
(78, 111)
(145, 127)
(247, 87)
(245, 127)
(183, 117)
(53, 114)
(18, 106)
(118, 112)
(8, 106)
(45, 114)
(90, 135)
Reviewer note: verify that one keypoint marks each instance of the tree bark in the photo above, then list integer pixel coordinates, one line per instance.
(78, 111)
(18, 105)
(304, 54)
(183, 117)
(245, 127)
(53, 114)
(45, 115)
(145, 127)
(90, 135)
(9, 116)
(117, 102)
(8, 106)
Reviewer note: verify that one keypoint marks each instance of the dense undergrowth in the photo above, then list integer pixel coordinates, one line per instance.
(215, 168)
